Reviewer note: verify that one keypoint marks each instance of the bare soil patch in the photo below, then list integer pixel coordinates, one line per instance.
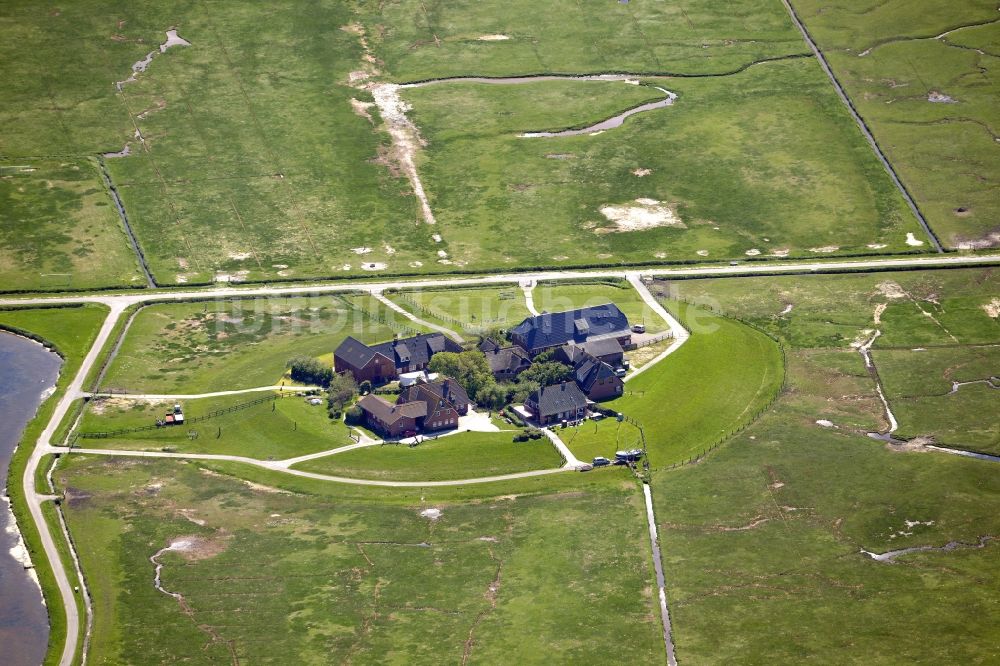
(641, 215)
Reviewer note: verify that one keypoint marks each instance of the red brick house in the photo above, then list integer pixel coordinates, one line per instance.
(597, 379)
(422, 407)
(385, 361)
(392, 420)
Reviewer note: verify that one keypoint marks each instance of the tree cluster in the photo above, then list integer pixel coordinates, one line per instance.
(309, 370)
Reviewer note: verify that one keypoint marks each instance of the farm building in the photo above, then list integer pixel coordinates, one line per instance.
(385, 361)
(506, 363)
(555, 329)
(421, 407)
(561, 402)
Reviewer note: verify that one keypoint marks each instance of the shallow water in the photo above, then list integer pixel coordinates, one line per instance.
(27, 370)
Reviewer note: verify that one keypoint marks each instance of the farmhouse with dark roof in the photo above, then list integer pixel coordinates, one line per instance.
(555, 329)
(422, 407)
(385, 361)
(561, 402)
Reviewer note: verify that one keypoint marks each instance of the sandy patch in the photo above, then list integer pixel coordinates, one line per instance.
(890, 289)
(940, 98)
(876, 246)
(861, 339)
(358, 76)
(659, 255)
(824, 249)
(433, 514)
(493, 38)
(788, 308)
(990, 240)
(361, 250)
(416, 264)
(374, 266)
(406, 139)
(442, 254)
(182, 263)
(752, 252)
(388, 249)
(825, 423)
(173, 39)
(239, 256)
(879, 309)
(702, 253)
(780, 253)
(436, 238)
(181, 279)
(912, 240)
(992, 309)
(560, 156)
(645, 214)
(639, 173)
(361, 109)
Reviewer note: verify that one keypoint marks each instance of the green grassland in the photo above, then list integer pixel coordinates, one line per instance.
(278, 576)
(600, 438)
(286, 428)
(945, 152)
(60, 229)
(71, 331)
(943, 313)
(460, 456)
(253, 163)
(556, 297)
(467, 311)
(919, 384)
(761, 543)
(419, 40)
(227, 345)
(765, 161)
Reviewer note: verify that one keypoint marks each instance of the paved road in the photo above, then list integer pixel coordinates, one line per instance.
(680, 334)
(748, 268)
(528, 287)
(34, 499)
(417, 320)
(279, 466)
(863, 127)
(194, 396)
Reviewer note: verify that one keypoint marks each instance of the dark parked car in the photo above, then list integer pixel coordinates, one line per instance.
(601, 461)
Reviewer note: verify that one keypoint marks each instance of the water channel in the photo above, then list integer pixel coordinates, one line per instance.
(28, 372)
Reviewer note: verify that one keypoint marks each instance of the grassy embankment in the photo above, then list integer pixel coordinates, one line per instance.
(325, 575)
(894, 62)
(70, 331)
(461, 456)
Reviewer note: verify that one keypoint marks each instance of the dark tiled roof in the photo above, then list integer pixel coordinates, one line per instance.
(488, 345)
(433, 393)
(602, 347)
(590, 370)
(556, 328)
(389, 413)
(563, 397)
(406, 351)
(355, 352)
(507, 359)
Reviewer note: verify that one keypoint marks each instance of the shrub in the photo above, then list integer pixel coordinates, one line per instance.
(353, 415)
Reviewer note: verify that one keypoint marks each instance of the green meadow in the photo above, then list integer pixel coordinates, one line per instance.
(919, 73)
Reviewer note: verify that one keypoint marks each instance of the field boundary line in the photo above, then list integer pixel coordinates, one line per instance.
(863, 127)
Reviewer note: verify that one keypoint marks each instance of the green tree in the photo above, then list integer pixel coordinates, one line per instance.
(547, 374)
(342, 391)
(468, 368)
(309, 370)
